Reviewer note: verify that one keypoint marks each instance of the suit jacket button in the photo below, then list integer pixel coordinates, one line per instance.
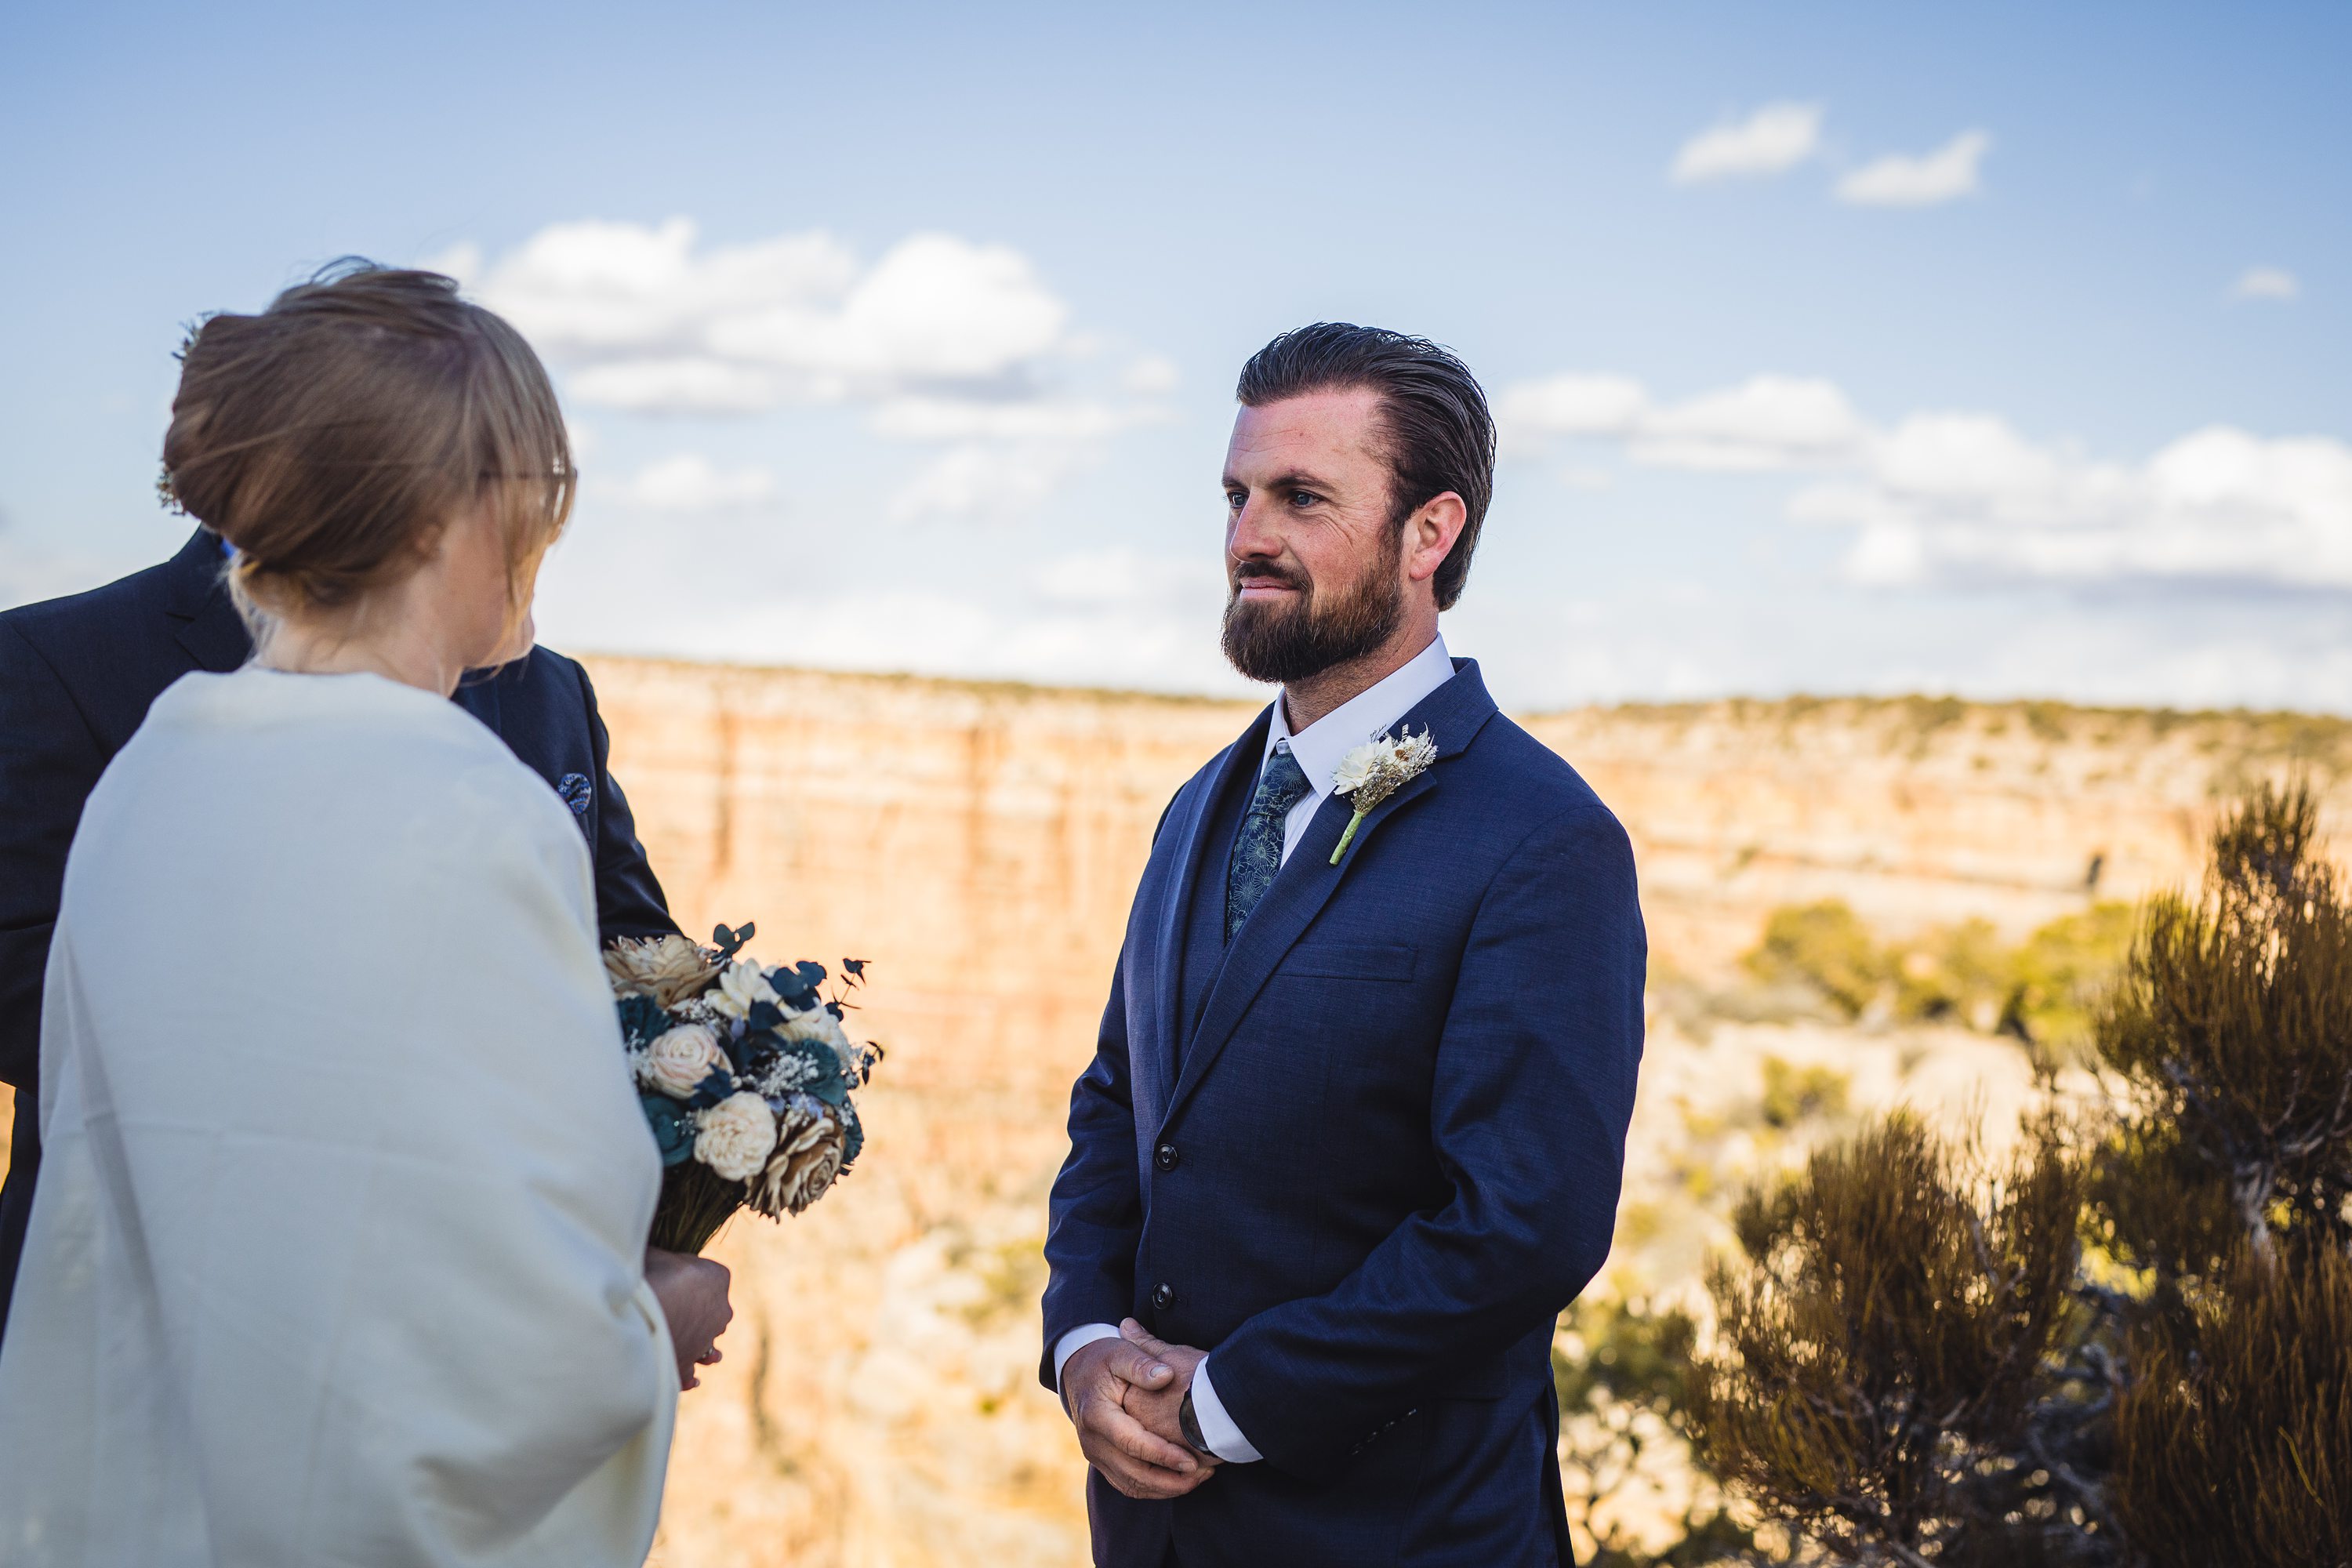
(1163, 1296)
(1165, 1156)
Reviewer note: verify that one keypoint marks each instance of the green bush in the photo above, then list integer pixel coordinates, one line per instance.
(2056, 980)
(1793, 1093)
(2043, 991)
(1825, 946)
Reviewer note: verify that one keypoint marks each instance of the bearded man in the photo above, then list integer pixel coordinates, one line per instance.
(1354, 1129)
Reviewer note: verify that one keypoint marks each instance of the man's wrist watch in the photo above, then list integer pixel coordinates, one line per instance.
(1191, 1424)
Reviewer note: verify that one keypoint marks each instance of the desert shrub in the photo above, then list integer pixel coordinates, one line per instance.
(1890, 1375)
(1825, 946)
(2234, 1442)
(1919, 1366)
(2232, 1031)
(2228, 1181)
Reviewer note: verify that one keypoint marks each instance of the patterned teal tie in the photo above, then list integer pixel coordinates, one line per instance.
(1258, 852)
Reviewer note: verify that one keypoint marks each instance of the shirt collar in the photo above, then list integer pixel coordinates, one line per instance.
(1372, 712)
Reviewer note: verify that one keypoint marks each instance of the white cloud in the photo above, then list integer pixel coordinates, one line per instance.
(1765, 422)
(941, 341)
(2266, 283)
(690, 482)
(1150, 375)
(651, 320)
(1942, 497)
(685, 384)
(1965, 497)
(1772, 141)
(987, 479)
(930, 418)
(1574, 404)
(1898, 181)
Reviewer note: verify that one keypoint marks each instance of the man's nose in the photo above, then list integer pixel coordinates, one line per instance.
(1249, 537)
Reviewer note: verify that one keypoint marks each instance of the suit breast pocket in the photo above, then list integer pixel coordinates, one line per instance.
(1350, 961)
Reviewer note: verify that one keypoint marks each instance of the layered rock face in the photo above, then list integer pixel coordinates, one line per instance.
(980, 845)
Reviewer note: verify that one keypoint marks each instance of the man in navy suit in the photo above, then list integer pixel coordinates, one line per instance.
(1353, 1132)
(76, 679)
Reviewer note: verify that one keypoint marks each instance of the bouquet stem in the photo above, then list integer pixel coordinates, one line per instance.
(695, 1202)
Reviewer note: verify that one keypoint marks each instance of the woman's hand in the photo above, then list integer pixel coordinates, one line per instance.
(693, 1296)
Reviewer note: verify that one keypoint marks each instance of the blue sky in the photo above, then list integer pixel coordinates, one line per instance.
(904, 337)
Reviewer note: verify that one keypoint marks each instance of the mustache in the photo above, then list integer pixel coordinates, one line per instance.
(1257, 568)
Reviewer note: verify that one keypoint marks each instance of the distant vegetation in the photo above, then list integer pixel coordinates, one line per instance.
(2041, 991)
(2318, 743)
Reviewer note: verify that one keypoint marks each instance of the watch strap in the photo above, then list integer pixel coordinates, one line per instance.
(1191, 1424)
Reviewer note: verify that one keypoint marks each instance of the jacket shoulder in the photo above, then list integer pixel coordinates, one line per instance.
(52, 625)
(547, 680)
(546, 664)
(1535, 782)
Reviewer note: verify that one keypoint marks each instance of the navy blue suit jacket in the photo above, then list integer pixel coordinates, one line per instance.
(1372, 1162)
(77, 676)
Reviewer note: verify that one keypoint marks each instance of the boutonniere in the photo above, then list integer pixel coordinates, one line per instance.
(1375, 770)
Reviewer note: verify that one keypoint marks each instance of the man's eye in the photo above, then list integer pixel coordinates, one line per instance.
(1234, 500)
(1304, 498)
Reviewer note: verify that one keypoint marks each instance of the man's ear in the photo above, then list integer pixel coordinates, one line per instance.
(1429, 534)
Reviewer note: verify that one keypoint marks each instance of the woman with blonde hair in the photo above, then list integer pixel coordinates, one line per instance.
(338, 1255)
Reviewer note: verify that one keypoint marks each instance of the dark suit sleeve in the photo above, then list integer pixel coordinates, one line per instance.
(629, 901)
(1533, 1089)
(1097, 1203)
(50, 762)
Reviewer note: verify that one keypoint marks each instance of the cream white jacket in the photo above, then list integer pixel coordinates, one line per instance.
(336, 1257)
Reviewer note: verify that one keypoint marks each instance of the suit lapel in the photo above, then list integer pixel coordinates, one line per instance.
(1191, 848)
(210, 629)
(1454, 714)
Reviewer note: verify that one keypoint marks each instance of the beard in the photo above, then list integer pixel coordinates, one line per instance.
(1304, 637)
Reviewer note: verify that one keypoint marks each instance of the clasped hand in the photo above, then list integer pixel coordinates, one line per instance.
(1124, 1397)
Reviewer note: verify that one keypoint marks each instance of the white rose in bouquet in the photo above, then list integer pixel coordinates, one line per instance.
(740, 985)
(678, 1061)
(736, 1136)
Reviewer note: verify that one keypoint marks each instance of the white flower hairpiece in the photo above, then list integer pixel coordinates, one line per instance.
(1376, 770)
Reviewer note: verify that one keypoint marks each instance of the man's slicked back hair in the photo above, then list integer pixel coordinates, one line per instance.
(1434, 421)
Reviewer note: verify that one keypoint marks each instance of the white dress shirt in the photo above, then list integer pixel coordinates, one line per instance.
(1319, 748)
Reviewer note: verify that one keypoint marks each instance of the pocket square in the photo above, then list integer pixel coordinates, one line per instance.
(576, 792)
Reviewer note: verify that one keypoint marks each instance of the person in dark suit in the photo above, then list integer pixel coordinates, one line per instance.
(77, 676)
(1354, 1129)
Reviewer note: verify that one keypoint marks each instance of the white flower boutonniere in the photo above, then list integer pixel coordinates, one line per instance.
(1375, 770)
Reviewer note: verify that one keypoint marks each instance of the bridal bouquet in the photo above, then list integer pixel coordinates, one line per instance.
(745, 1073)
